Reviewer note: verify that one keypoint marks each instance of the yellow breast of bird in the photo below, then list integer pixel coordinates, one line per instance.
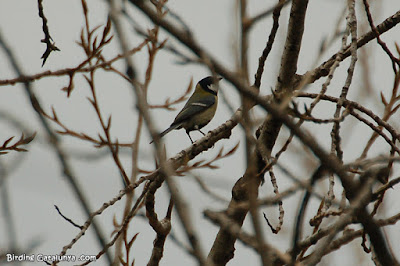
(201, 119)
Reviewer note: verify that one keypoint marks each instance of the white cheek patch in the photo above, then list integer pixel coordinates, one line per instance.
(213, 87)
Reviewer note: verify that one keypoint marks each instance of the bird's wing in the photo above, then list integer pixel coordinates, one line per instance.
(193, 108)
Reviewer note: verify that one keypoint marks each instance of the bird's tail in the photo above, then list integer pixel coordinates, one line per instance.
(165, 132)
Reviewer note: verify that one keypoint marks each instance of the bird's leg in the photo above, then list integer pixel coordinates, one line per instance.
(201, 132)
(187, 132)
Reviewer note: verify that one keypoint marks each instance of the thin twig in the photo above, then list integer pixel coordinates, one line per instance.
(67, 219)
(50, 46)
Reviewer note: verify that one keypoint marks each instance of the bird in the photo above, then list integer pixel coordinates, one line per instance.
(199, 109)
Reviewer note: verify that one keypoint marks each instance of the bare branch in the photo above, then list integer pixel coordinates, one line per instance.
(50, 46)
(16, 146)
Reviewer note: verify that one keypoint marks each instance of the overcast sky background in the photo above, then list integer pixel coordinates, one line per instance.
(37, 184)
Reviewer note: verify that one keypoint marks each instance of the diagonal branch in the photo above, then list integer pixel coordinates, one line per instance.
(323, 69)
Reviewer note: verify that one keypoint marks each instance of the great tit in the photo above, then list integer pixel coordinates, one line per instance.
(199, 109)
